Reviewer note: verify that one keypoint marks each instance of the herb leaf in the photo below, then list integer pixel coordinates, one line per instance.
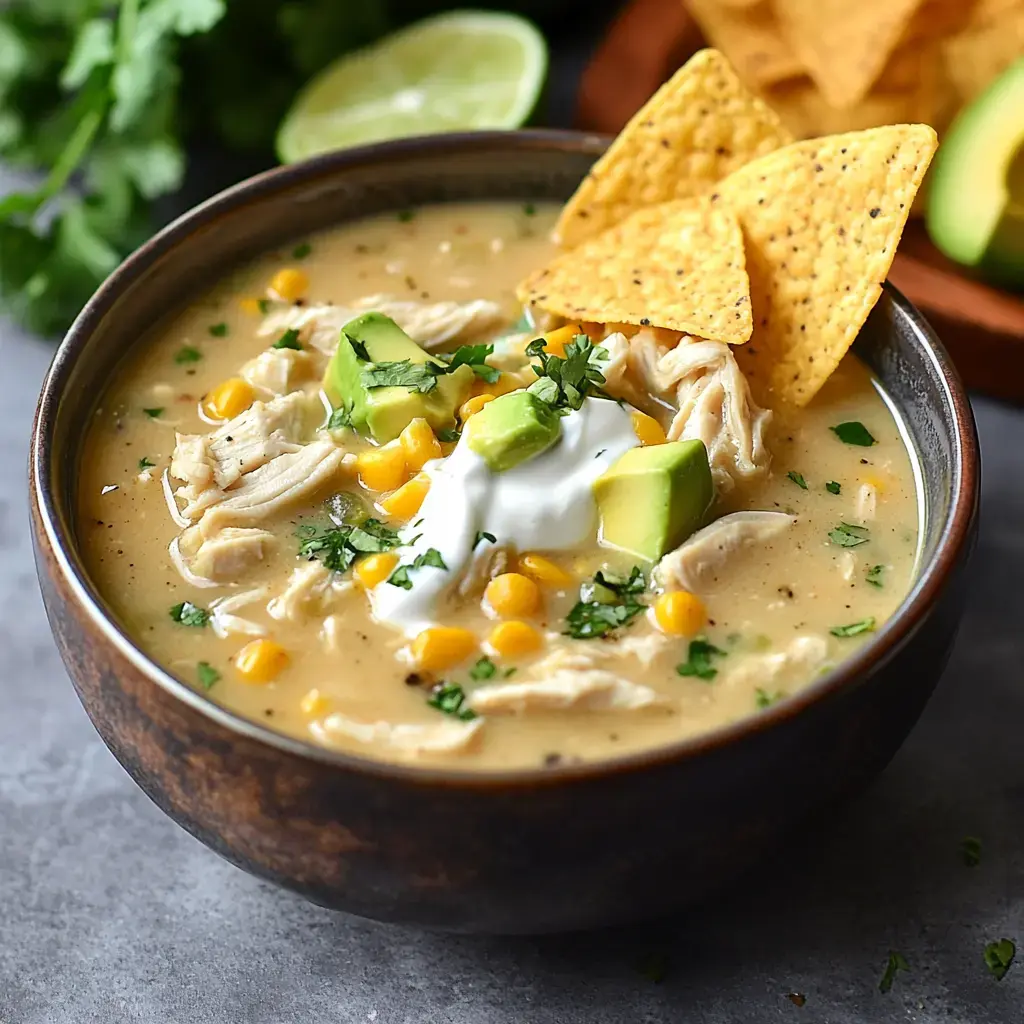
(400, 578)
(450, 699)
(855, 628)
(998, 957)
(475, 356)
(187, 354)
(847, 535)
(874, 575)
(482, 535)
(698, 660)
(290, 339)
(853, 432)
(970, 850)
(154, 413)
(145, 463)
(897, 962)
(301, 251)
(797, 479)
(589, 619)
(565, 382)
(634, 583)
(430, 557)
(483, 669)
(359, 348)
(339, 418)
(188, 614)
(218, 331)
(832, 487)
(207, 674)
(447, 434)
(764, 699)
(421, 377)
(338, 546)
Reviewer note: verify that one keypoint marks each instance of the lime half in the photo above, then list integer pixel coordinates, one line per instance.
(457, 71)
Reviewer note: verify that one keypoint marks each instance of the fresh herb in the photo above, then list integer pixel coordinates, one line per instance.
(218, 330)
(698, 660)
(339, 418)
(207, 674)
(154, 413)
(797, 479)
(855, 433)
(187, 354)
(475, 356)
(372, 536)
(634, 583)
(145, 464)
(970, 850)
(482, 535)
(832, 487)
(430, 557)
(565, 383)
(265, 305)
(301, 251)
(589, 618)
(483, 669)
(848, 536)
(339, 546)
(764, 699)
(448, 435)
(897, 962)
(290, 339)
(529, 209)
(874, 575)
(421, 377)
(404, 216)
(400, 578)
(855, 628)
(450, 698)
(998, 957)
(189, 614)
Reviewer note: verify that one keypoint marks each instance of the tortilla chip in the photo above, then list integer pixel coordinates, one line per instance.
(678, 265)
(821, 220)
(697, 128)
(844, 44)
(752, 39)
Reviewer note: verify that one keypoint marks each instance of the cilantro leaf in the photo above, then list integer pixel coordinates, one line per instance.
(359, 348)
(188, 614)
(874, 575)
(855, 628)
(698, 660)
(447, 434)
(420, 377)
(450, 699)
(591, 618)
(218, 330)
(564, 382)
(290, 339)
(400, 578)
(847, 535)
(339, 418)
(854, 432)
(832, 487)
(765, 699)
(634, 583)
(482, 535)
(999, 956)
(430, 557)
(207, 674)
(475, 356)
(797, 479)
(897, 962)
(187, 354)
(301, 251)
(483, 669)
(338, 546)
(154, 414)
(145, 463)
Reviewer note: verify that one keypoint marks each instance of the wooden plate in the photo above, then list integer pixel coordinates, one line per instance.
(982, 327)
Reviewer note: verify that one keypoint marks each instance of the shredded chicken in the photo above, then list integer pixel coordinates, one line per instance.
(435, 325)
(407, 739)
(311, 590)
(280, 370)
(229, 553)
(330, 634)
(484, 567)
(867, 502)
(803, 656)
(225, 622)
(687, 566)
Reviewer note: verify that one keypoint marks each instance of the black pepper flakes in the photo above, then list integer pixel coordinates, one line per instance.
(874, 212)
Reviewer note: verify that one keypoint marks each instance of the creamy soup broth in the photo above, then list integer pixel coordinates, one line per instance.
(771, 606)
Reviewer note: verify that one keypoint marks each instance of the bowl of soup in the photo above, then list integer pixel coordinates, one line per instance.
(440, 609)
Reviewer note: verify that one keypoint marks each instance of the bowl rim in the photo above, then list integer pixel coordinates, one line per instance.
(954, 537)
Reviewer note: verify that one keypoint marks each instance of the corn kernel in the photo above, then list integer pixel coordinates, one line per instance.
(250, 306)
(514, 638)
(473, 405)
(374, 569)
(382, 469)
(556, 340)
(419, 444)
(440, 647)
(260, 661)
(543, 570)
(289, 284)
(406, 501)
(648, 429)
(314, 703)
(511, 594)
(229, 398)
(680, 613)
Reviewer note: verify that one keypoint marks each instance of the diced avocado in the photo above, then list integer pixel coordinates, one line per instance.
(976, 197)
(384, 412)
(512, 429)
(653, 498)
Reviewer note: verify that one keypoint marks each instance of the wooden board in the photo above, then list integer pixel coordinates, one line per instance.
(982, 327)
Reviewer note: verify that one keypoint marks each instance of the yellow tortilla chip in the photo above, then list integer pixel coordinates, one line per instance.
(821, 220)
(844, 44)
(696, 129)
(678, 265)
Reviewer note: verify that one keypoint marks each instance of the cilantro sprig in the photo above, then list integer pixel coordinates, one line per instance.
(188, 614)
(606, 605)
(565, 382)
(699, 660)
(339, 546)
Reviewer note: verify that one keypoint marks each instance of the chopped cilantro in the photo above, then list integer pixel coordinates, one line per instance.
(475, 356)
(430, 557)
(998, 957)
(400, 578)
(634, 583)
(404, 216)
(145, 464)
(832, 487)
(483, 669)
(154, 413)
(529, 209)
(855, 628)
(359, 348)
(448, 435)
(207, 674)
(421, 377)
(372, 536)
(189, 614)
(482, 535)
(855, 433)
(848, 536)
(970, 850)
(874, 575)
(450, 698)
(265, 305)
(797, 479)
(564, 382)
(338, 546)
(218, 330)
(339, 418)
(698, 660)
(187, 354)
(290, 339)
(301, 251)
(765, 699)
(589, 619)
(897, 962)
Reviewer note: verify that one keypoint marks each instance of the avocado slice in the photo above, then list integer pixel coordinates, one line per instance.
(653, 498)
(384, 412)
(512, 429)
(976, 198)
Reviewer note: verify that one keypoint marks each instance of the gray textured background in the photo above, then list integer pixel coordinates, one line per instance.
(110, 913)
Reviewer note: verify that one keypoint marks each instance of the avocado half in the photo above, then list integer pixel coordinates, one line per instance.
(976, 198)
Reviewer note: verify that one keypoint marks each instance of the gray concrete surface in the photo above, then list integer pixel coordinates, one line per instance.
(109, 912)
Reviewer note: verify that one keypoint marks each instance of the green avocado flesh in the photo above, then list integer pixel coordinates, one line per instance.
(384, 412)
(512, 429)
(653, 498)
(976, 197)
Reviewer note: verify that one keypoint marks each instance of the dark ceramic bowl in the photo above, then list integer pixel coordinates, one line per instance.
(535, 850)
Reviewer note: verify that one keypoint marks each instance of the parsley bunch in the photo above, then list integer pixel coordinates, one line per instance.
(564, 382)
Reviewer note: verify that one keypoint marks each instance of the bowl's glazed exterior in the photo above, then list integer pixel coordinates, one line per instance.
(529, 851)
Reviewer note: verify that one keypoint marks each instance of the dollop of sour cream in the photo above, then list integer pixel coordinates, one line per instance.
(543, 504)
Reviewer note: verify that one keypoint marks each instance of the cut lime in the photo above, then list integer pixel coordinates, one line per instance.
(457, 71)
